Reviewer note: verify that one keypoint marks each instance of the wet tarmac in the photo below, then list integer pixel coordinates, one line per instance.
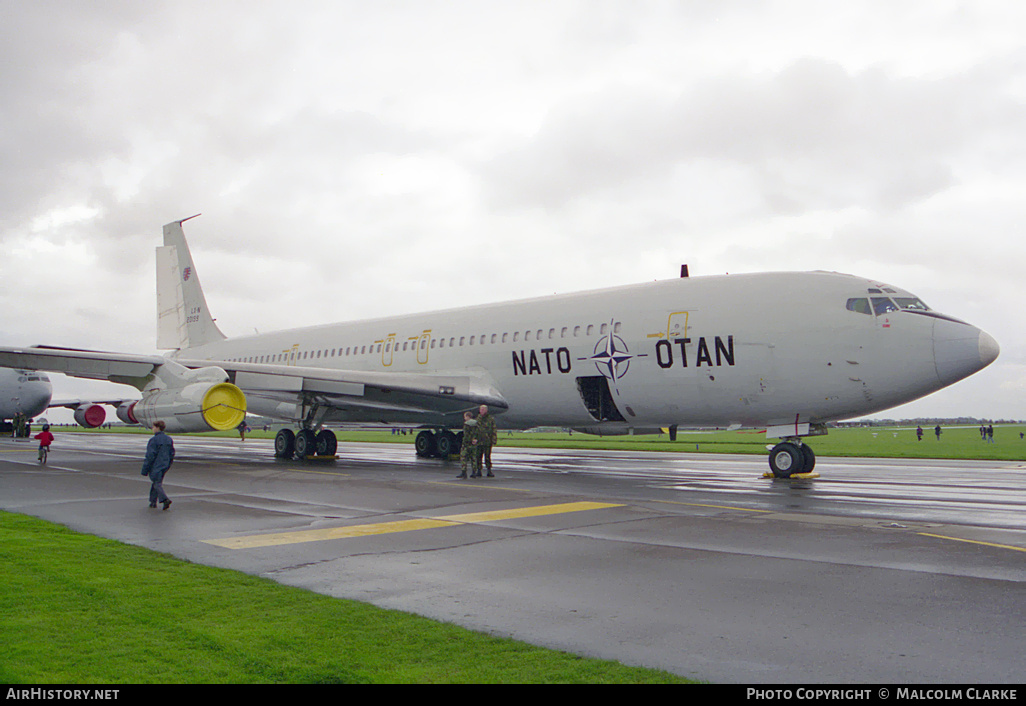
(879, 571)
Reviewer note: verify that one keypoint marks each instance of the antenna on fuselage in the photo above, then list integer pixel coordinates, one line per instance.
(683, 271)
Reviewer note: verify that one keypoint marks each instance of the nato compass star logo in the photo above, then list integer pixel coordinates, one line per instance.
(611, 356)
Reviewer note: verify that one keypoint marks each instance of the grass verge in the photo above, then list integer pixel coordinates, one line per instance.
(78, 609)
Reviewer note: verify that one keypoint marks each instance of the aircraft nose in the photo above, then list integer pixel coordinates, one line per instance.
(959, 350)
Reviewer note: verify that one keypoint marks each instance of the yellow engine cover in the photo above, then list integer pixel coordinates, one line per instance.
(224, 406)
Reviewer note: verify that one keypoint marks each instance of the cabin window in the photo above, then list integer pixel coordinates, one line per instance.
(552, 333)
(471, 340)
(882, 305)
(603, 327)
(591, 329)
(494, 337)
(462, 339)
(423, 343)
(577, 331)
(527, 335)
(616, 327)
(516, 336)
(505, 336)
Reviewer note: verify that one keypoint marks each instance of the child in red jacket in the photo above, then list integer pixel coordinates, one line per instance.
(45, 439)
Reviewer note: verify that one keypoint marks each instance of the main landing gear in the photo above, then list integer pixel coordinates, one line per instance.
(441, 444)
(791, 457)
(305, 444)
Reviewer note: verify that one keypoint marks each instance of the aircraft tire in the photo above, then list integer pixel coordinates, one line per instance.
(425, 444)
(810, 458)
(306, 443)
(786, 458)
(327, 443)
(445, 443)
(284, 443)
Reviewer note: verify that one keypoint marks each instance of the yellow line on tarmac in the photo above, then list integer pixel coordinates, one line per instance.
(281, 538)
(974, 541)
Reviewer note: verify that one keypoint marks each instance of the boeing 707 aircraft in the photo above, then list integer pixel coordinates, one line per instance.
(784, 351)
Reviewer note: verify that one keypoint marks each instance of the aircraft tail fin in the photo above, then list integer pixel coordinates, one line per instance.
(183, 319)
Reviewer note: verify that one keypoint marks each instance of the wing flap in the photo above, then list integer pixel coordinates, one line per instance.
(364, 390)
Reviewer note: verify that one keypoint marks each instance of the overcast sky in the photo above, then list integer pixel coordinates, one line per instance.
(358, 159)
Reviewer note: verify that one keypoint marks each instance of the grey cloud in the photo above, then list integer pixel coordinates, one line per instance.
(814, 134)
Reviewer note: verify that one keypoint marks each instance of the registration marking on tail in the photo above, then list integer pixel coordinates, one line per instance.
(320, 535)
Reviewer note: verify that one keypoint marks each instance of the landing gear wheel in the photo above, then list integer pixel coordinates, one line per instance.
(786, 458)
(284, 443)
(425, 444)
(446, 444)
(810, 459)
(306, 443)
(326, 442)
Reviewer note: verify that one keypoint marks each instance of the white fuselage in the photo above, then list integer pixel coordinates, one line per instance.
(754, 350)
(23, 392)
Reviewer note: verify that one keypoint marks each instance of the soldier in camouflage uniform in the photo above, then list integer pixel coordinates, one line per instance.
(468, 451)
(487, 436)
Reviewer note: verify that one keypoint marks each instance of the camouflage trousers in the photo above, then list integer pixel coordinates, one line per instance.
(469, 454)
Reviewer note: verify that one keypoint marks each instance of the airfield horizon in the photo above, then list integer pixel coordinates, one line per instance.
(957, 442)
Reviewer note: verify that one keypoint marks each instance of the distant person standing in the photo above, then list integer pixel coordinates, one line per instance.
(487, 436)
(990, 433)
(160, 454)
(937, 431)
(919, 433)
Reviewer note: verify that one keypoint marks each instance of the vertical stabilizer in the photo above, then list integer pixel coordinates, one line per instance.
(183, 319)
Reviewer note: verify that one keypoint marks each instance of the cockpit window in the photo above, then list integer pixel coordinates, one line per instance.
(881, 305)
(859, 305)
(912, 303)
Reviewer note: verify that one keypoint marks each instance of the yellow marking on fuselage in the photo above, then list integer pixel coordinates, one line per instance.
(320, 535)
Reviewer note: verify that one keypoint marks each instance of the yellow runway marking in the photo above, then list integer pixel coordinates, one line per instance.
(281, 538)
(974, 541)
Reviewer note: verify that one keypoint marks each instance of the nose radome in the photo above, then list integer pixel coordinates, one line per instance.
(960, 350)
(989, 349)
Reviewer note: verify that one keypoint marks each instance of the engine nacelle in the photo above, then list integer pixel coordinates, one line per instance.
(126, 413)
(90, 415)
(200, 406)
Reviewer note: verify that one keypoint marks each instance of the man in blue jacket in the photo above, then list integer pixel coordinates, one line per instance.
(160, 453)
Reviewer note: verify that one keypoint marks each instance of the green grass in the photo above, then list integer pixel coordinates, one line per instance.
(79, 609)
(877, 442)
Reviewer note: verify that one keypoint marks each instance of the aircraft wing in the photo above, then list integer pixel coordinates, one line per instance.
(361, 395)
(364, 393)
(135, 370)
(79, 401)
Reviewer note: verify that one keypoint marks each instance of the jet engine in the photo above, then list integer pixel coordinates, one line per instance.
(126, 413)
(90, 415)
(200, 406)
